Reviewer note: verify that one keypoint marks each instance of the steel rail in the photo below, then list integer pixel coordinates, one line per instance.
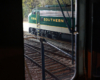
(38, 64)
(30, 46)
(41, 66)
(60, 50)
(58, 62)
(48, 51)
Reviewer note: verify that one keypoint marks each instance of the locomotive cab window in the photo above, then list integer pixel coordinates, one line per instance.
(34, 13)
(49, 39)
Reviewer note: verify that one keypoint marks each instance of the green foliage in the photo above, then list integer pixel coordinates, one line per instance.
(28, 5)
(54, 2)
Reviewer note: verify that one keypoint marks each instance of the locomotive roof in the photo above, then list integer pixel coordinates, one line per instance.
(52, 8)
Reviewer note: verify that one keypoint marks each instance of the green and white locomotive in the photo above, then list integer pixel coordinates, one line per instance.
(48, 22)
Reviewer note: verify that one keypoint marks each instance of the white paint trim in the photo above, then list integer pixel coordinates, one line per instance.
(32, 25)
(51, 28)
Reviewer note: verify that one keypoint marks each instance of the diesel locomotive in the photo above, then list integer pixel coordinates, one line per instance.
(49, 22)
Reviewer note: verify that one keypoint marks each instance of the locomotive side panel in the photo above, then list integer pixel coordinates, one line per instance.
(50, 23)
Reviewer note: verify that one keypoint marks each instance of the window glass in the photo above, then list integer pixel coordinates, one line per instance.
(46, 20)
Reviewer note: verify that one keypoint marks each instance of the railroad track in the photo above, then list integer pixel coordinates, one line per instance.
(63, 72)
(47, 48)
(62, 44)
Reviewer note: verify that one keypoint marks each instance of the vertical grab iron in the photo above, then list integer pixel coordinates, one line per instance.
(72, 25)
(43, 59)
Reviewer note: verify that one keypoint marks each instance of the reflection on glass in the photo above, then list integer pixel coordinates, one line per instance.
(44, 19)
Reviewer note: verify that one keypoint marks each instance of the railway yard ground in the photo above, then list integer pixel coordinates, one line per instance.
(58, 66)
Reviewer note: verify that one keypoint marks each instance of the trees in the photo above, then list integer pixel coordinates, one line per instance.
(53, 2)
(28, 5)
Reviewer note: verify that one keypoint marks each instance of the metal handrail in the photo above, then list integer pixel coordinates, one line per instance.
(59, 49)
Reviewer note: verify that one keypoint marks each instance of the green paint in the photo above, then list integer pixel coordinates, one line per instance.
(32, 18)
(52, 21)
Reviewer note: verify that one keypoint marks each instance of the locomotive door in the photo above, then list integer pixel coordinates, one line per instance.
(38, 22)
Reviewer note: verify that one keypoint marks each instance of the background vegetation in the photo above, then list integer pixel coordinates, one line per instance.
(28, 5)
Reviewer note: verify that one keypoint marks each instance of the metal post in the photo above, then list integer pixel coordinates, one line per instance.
(72, 25)
(43, 59)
